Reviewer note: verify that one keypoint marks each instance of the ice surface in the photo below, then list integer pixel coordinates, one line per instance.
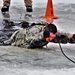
(21, 61)
(16, 71)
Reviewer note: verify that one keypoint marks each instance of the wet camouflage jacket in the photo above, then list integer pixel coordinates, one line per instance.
(31, 37)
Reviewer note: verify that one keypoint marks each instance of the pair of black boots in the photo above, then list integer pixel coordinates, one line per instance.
(6, 9)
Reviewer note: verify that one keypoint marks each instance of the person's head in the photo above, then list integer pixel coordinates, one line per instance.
(24, 24)
(50, 32)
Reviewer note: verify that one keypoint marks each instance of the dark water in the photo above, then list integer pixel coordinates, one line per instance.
(7, 29)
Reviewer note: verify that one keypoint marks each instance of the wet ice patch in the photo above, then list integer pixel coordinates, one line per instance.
(15, 71)
(53, 72)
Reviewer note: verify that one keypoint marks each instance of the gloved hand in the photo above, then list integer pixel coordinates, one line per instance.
(61, 38)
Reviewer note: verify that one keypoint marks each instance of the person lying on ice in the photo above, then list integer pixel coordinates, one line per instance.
(38, 35)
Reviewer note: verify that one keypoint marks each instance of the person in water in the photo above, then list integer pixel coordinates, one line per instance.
(38, 35)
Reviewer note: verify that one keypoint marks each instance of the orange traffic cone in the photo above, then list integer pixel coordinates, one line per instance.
(49, 11)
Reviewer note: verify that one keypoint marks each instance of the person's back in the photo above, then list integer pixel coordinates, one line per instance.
(30, 37)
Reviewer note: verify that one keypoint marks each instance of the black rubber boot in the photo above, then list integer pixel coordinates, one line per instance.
(5, 9)
(29, 8)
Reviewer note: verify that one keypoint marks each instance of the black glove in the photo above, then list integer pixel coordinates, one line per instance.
(5, 9)
(61, 38)
(29, 8)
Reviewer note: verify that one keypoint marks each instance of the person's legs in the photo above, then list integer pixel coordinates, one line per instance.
(28, 4)
(6, 4)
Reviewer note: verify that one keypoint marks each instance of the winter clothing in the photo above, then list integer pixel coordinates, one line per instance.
(30, 37)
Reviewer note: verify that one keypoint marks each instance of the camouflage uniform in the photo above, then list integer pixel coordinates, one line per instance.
(34, 36)
(27, 2)
(31, 37)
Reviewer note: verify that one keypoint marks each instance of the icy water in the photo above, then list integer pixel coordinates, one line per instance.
(50, 61)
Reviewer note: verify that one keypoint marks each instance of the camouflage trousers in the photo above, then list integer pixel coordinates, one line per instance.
(27, 2)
